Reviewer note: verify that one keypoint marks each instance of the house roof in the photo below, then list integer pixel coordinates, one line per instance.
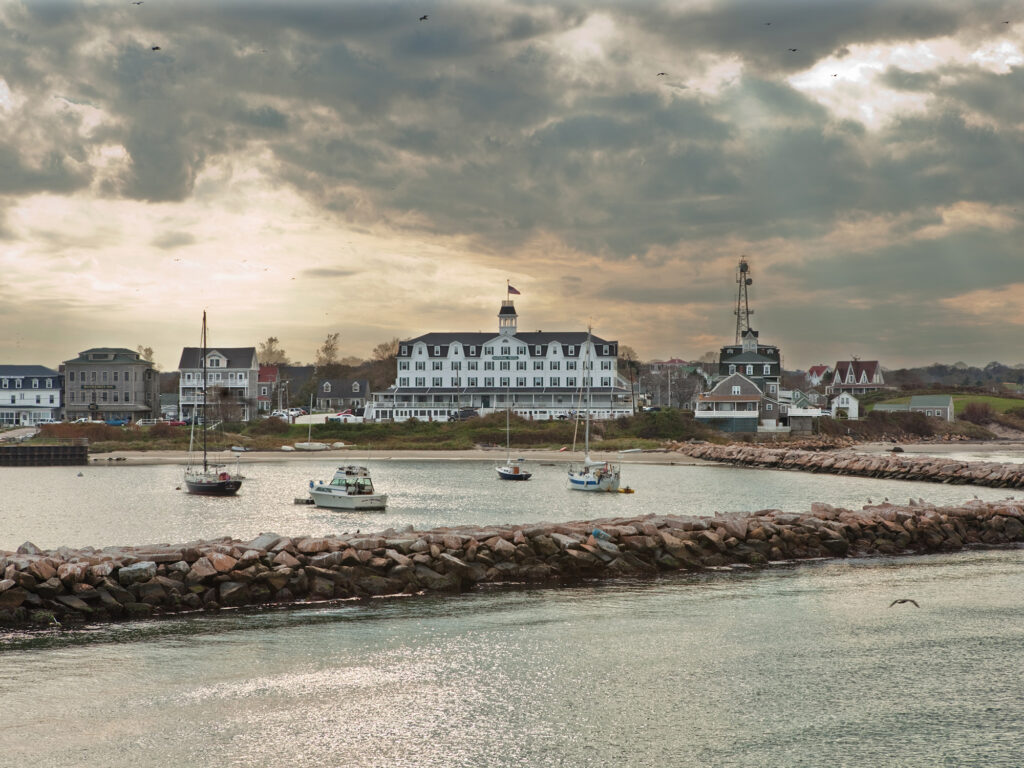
(18, 371)
(747, 386)
(818, 370)
(931, 401)
(534, 339)
(237, 357)
(869, 367)
(341, 387)
(106, 356)
(750, 357)
(268, 373)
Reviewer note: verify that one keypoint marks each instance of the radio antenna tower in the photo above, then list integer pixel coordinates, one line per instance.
(743, 310)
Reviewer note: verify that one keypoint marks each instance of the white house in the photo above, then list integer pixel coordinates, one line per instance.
(541, 375)
(28, 394)
(846, 404)
(232, 374)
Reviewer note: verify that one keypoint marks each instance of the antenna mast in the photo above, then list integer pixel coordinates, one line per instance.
(743, 310)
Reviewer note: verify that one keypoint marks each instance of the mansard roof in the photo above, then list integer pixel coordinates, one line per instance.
(566, 339)
(19, 371)
(751, 357)
(237, 357)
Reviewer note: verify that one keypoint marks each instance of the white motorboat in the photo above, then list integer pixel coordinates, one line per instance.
(350, 488)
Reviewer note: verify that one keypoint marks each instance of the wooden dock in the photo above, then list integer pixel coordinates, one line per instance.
(65, 453)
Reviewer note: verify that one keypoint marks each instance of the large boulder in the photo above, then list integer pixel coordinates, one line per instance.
(136, 573)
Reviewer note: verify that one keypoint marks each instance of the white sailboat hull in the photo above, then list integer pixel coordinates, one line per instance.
(589, 480)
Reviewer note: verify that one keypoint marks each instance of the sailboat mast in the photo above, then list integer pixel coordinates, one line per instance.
(204, 393)
(586, 380)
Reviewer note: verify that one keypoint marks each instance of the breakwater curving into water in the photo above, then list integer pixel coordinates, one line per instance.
(891, 466)
(138, 582)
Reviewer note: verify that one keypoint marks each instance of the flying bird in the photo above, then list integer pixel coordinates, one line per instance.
(136, 2)
(424, 17)
(904, 600)
(662, 74)
(835, 75)
(767, 23)
(155, 48)
(792, 50)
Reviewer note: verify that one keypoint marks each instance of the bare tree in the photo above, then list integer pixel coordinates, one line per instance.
(327, 354)
(386, 349)
(146, 353)
(269, 353)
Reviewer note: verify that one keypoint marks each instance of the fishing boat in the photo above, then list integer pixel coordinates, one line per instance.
(350, 488)
(591, 475)
(513, 468)
(208, 479)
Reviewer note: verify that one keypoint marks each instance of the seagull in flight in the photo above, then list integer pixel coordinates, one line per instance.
(792, 50)
(155, 48)
(662, 74)
(424, 17)
(904, 600)
(136, 2)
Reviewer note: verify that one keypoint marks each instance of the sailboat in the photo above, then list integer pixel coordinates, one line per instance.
(208, 479)
(591, 475)
(513, 469)
(309, 445)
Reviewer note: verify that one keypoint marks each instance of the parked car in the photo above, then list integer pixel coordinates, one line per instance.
(279, 415)
(86, 420)
(117, 422)
(146, 422)
(345, 418)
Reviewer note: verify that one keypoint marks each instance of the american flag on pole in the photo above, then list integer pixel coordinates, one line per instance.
(513, 291)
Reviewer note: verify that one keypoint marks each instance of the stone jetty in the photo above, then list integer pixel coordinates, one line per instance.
(65, 584)
(892, 466)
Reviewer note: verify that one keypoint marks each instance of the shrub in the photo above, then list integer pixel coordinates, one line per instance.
(162, 429)
(978, 413)
(271, 426)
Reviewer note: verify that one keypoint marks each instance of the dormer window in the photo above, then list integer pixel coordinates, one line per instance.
(539, 349)
(472, 351)
(604, 349)
(437, 350)
(35, 383)
(327, 387)
(571, 351)
(355, 386)
(403, 350)
(736, 390)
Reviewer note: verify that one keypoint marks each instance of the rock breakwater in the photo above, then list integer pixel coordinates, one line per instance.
(890, 466)
(138, 582)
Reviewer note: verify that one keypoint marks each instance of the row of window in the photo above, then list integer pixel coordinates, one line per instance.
(766, 370)
(505, 349)
(17, 383)
(39, 399)
(503, 365)
(91, 397)
(241, 378)
(104, 376)
(503, 381)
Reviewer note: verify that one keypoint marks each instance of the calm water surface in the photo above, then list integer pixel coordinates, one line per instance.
(799, 667)
(53, 506)
(785, 667)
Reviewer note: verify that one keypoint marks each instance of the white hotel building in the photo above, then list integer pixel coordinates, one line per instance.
(540, 375)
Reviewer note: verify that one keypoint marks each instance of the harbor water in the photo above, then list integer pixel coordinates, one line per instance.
(801, 665)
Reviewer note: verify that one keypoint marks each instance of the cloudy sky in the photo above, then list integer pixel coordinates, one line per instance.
(302, 168)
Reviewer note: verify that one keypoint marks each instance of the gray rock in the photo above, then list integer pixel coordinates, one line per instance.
(134, 574)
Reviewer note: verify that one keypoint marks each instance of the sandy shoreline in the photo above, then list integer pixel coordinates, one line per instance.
(355, 454)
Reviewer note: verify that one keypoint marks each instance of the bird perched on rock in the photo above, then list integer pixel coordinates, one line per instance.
(904, 600)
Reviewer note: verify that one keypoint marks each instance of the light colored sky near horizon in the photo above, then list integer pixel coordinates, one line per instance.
(304, 168)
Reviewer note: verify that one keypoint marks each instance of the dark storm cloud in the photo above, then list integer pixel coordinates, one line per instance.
(480, 124)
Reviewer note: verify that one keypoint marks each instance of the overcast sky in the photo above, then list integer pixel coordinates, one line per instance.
(302, 168)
